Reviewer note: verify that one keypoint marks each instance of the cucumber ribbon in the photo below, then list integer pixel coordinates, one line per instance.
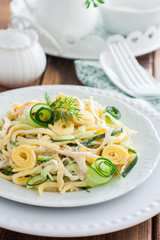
(101, 171)
(114, 112)
(42, 114)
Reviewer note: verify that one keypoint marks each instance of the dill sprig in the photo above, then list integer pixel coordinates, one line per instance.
(94, 2)
(64, 108)
(47, 98)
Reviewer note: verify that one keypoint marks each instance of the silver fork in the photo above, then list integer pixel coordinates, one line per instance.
(132, 74)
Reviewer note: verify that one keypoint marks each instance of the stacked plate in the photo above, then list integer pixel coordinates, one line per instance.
(89, 45)
(104, 209)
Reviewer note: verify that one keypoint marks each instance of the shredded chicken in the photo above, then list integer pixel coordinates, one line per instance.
(55, 164)
(94, 112)
(3, 161)
(6, 126)
(105, 141)
(68, 174)
(81, 161)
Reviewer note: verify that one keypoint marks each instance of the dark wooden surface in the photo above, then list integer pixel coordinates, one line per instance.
(61, 71)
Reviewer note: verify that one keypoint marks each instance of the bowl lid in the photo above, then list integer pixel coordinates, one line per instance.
(17, 39)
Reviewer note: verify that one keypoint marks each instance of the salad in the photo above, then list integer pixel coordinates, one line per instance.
(64, 144)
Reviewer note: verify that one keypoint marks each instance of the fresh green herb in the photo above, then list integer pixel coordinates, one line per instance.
(0, 152)
(65, 109)
(130, 150)
(114, 112)
(13, 144)
(43, 114)
(94, 2)
(47, 98)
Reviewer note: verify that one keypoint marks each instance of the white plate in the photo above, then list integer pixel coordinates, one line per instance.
(90, 46)
(102, 218)
(146, 143)
(123, 212)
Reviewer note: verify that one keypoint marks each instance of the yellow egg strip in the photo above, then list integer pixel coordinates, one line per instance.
(86, 118)
(34, 131)
(5, 140)
(69, 185)
(62, 128)
(46, 185)
(22, 182)
(116, 154)
(5, 176)
(24, 157)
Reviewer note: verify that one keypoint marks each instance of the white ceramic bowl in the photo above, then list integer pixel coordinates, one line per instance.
(126, 16)
(66, 17)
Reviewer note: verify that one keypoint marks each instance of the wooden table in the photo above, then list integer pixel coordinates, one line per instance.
(61, 71)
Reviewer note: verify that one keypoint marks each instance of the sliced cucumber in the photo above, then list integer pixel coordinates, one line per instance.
(63, 138)
(35, 180)
(109, 121)
(46, 170)
(130, 166)
(44, 158)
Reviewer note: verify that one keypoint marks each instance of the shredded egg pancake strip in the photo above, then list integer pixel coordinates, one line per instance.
(6, 139)
(116, 154)
(32, 131)
(87, 118)
(19, 178)
(5, 176)
(62, 128)
(24, 158)
(51, 185)
(70, 185)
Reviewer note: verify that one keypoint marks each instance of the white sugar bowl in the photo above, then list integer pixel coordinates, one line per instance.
(22, 58)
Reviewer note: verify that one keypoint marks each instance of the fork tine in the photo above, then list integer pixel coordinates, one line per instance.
(144, 81)
(114, 55)
(135, 64)
(129, 79)
(138, 79)
(130, 73)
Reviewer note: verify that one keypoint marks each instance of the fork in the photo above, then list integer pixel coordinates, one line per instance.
(132, 74)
